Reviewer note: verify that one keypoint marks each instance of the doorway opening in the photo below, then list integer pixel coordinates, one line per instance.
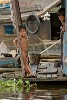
(55, 26)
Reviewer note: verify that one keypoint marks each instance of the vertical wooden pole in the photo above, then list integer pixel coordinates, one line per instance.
(17, 17)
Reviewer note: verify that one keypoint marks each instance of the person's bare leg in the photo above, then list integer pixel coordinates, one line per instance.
(23, 58)
(26, 70)
(26, 66)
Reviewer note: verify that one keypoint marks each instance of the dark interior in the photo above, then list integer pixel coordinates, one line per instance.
(55, 26)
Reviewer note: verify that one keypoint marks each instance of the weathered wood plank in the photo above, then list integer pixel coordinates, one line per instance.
(2, 70)
(61, 79)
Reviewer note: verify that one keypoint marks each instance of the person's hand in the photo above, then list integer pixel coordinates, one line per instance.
(63, 29)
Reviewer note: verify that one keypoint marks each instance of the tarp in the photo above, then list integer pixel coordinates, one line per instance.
(5, 5)
(3, 48)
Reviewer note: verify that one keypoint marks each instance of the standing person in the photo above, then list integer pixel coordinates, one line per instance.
(61, 16)
(24, 49)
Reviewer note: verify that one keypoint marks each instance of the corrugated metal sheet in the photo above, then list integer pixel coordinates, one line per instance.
(28, 6)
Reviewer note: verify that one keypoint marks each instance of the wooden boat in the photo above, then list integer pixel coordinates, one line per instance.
(8, 60)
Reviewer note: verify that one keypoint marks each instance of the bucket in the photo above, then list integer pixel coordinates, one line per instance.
(34, 58)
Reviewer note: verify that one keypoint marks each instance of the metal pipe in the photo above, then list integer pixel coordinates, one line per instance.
(51, 46)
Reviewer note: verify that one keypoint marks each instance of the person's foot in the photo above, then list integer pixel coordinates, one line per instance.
(31, 76)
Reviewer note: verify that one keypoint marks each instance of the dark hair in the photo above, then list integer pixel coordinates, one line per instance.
(61, 12)
(22, 27)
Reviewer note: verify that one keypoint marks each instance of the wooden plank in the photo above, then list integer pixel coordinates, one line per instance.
(42, 80)
(2, 70)
(47, 71)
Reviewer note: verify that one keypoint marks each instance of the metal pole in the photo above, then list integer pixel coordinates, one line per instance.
(65, 43)
(50, 46)
(66, 16)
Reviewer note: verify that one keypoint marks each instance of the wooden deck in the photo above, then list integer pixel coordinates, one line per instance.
(47, 80)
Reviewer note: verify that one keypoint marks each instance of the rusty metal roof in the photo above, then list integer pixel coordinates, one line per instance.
(27, 7)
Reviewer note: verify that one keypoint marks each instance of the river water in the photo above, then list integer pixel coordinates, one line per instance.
(34, 92)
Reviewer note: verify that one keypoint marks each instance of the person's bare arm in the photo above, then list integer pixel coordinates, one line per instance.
(15, 41)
